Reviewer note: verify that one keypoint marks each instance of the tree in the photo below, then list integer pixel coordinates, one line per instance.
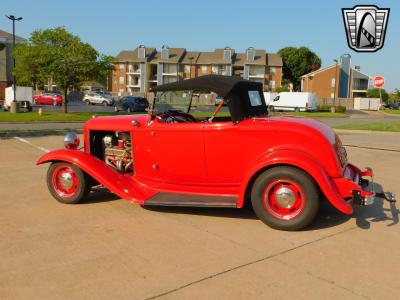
(62, 56)
(297, 62)
(374, 93)
(394, 96)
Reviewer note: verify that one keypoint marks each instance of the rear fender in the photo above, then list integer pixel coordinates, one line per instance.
(125, 186)
(302, 161)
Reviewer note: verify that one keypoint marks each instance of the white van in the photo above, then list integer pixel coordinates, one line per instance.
(269, 97)
(294, 101)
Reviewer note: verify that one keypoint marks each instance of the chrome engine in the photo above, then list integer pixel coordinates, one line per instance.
(118, 151)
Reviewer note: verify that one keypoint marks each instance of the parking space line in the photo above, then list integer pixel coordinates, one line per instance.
(29, 143)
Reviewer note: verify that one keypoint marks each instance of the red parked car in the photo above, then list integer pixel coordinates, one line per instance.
(48, 98)
(284, 166)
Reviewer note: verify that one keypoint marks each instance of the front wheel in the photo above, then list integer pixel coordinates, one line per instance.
(285, 198)
(104, 103)
(67, 183)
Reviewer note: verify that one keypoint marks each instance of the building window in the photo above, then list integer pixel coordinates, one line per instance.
(169, 79)
(121, 66)
(121, 80)
(218, 69)
(203, 69)
(272, 70)
(170, 69)
(186, 68)
(134, 68)
(272, 84)
(333, 81)
(257, 71)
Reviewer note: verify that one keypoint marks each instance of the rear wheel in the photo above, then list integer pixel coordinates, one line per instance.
(67, 183)
(104, 103)
(285, 198)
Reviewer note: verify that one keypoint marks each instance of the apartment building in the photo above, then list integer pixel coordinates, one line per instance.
(339, 80)
(131, 69)
(136, 73)
(6, 60)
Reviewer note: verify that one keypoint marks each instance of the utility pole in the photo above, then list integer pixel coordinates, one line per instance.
(14, 105)
(333, 108)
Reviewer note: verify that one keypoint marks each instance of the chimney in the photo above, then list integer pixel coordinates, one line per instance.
(227, 54)
(142, 52)
(164, 52)
(250, 54)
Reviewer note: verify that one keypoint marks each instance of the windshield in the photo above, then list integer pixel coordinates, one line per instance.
(173, 100)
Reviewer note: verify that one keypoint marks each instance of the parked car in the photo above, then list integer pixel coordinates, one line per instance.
(283, 165)
(294, 101)
(132, 104)
(393, 106)
(48, 98)
(93, 98)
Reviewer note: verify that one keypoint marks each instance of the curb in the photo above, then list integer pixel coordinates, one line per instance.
(353, 131)
(36, 133)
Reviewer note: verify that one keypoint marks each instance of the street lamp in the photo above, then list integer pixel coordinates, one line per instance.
(334, 91)
(14, 106)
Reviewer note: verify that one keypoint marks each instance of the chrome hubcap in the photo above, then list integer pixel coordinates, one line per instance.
(66, 180)
(285, 197)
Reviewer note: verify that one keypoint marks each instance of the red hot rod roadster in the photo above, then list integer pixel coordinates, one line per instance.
(283, 165)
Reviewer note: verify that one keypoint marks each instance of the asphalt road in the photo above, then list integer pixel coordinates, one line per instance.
(110, 248)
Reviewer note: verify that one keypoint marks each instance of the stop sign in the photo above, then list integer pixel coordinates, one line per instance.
(379, 81)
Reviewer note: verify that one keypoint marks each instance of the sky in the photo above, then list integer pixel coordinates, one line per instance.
(112, 26)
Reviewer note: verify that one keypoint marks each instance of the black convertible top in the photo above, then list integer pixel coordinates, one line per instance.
(235, 90)
(219, 84)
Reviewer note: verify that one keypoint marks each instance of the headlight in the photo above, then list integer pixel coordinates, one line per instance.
(348, 173)
(71, 140)
(340, 151)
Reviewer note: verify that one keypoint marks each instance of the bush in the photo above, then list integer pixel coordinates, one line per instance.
(327, 108)
(282, 89)
(340, 109)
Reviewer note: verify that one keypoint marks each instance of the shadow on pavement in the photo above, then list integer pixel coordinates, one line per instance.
(367, 215)
(98, 195)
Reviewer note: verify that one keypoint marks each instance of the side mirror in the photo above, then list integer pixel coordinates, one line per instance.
(276, 98)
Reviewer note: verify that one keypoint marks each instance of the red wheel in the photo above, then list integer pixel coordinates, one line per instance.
(285, 198)
(67, 183)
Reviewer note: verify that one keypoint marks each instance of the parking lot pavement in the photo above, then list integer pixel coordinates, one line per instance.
(109, 248)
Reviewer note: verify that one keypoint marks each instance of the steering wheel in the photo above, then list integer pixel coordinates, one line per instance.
(175, 116)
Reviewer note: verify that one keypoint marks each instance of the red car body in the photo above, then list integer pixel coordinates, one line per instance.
(48, 99)
(218, 163)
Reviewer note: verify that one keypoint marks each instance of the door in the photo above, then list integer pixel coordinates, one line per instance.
(178, 154)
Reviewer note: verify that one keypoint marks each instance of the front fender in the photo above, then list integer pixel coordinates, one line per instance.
(124, 185)
(302, 161)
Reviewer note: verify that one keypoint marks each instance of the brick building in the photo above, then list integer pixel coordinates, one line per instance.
(339, 80)
(138, 70)
(6, 60)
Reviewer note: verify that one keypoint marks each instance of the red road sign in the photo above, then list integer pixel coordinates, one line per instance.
(379, 81)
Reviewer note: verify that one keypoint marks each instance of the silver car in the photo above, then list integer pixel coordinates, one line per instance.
(92, 98)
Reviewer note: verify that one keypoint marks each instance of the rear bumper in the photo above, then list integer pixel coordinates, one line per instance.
(356, 189)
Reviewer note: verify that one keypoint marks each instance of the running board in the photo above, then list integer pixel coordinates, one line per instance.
(173, 199)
